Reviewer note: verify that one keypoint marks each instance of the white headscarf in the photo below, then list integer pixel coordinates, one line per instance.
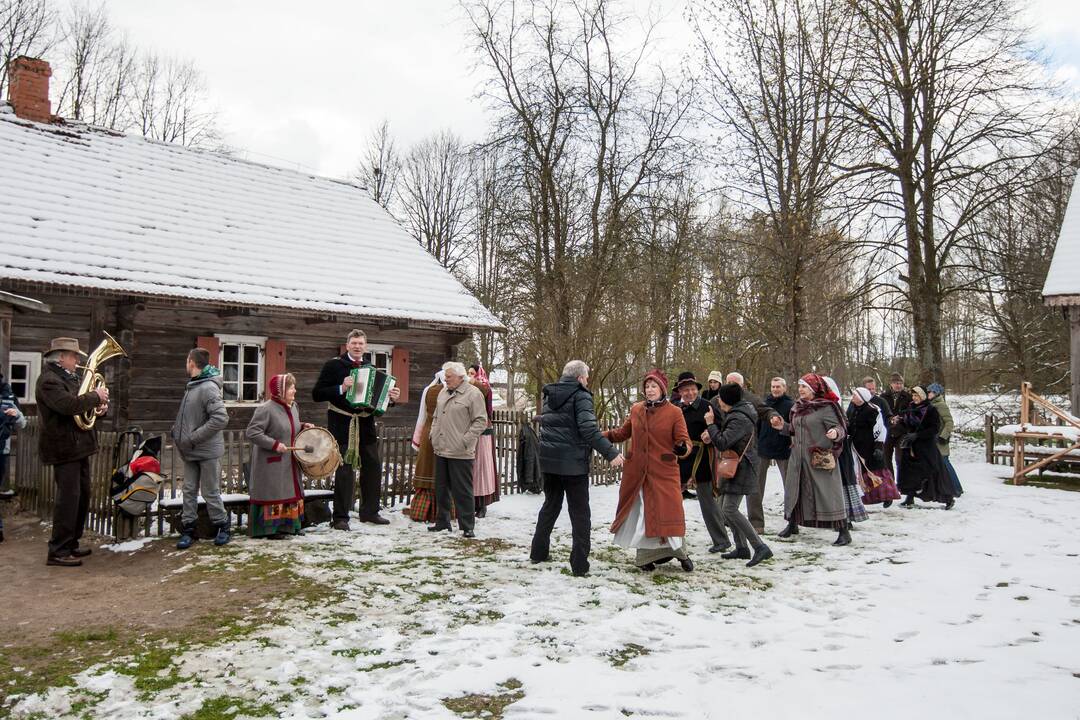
(879, 423)
(439, 379)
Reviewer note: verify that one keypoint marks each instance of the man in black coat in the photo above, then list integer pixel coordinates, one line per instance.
(772, 447)
(346, 424)
(568, 435)
(67, 447)
(898, 400)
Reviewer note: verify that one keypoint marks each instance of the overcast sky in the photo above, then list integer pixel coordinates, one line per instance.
(303, 84)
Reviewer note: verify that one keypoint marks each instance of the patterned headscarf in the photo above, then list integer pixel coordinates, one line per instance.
(819, 387)
(278, 384)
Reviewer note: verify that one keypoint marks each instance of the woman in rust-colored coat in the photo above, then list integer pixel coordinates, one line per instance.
(650, 514)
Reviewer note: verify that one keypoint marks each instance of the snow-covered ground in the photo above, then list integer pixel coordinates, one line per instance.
(973, 613)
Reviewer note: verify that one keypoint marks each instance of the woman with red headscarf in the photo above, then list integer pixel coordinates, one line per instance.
(277, 494)
(650, 516)
(813, 487)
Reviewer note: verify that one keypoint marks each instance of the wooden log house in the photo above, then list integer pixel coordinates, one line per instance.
(168, 248)
(1062, 287)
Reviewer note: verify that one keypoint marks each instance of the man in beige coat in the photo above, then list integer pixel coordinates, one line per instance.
(460, 417)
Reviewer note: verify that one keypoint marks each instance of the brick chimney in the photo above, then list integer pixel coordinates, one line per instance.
(28, 88)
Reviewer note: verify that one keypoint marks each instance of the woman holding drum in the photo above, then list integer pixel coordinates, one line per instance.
(277, 494)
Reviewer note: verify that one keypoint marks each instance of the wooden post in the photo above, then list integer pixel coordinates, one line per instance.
(988, 438)
(5, 337)
(1074, 364)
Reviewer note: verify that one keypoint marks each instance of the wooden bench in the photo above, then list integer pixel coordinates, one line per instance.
(316, 510)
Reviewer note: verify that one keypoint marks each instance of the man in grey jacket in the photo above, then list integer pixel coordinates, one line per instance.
(460, 417)
(198, 436)
(569, 434)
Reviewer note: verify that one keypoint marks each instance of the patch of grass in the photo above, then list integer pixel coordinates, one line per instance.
(229, 707)
(432, 597)
(385, 665)
(488, 706)
(154, 670)
(620, 656)
(357, 652)
(1051, 481)
(667, 579)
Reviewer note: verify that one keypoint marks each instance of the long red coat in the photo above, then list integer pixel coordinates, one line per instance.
(652, 468)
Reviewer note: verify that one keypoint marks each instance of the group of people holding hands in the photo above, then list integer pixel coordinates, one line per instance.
(720, 443)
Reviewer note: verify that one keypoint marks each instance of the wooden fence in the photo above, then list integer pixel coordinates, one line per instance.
(37, 491)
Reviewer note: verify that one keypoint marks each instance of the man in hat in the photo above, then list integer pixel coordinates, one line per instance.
(696, 467)
(694, 407)
(716, 379)
(67, 447)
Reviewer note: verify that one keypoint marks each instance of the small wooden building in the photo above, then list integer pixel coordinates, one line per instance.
(1062, 287)
(168, 248)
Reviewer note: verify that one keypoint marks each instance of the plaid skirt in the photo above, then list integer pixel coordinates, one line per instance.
(856, 511)
(423, 507)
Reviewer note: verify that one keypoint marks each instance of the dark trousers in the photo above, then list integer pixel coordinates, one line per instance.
(72, 502)
(370, 484)
(576, 490)
(453, 483)
(3, 471)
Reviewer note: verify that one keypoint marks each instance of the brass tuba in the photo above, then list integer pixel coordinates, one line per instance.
(92, 379)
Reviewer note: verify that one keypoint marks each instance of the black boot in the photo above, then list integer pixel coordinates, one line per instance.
(887, 503)
(909, 501)
(687, 564)
(791, 529)
(737, 554)
(761, 553)
(949, 503)
(844, 538)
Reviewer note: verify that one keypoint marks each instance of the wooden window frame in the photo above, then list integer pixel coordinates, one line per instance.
(260, 383)
(32, 360)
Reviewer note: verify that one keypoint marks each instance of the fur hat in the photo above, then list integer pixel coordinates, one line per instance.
(918, 392)
(659, 378)
(686, 378)
(730, 393)
(717, 376)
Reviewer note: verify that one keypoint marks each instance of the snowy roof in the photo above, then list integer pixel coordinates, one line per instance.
(88, 207)
(1063, 279)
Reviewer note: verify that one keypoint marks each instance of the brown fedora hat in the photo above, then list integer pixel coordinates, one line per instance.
(65, 343)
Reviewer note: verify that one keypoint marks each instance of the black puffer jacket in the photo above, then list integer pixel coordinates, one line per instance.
(569, 431)
(736, 429)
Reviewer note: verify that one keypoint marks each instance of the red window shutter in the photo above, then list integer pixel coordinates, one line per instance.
(210, 344)
(342, 349)
(399, 366)
(274, 362)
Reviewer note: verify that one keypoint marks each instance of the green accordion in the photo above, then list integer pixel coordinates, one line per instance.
(370, 390)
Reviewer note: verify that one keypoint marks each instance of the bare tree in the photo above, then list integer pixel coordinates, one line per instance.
(434, 197)
(380, 166)
(27, 27)
(169, 103)
(947, 104)
(772, 68)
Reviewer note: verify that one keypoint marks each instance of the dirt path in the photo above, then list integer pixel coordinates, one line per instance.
(139, 590)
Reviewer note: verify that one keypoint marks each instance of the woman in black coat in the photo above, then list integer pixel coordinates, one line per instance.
(866, 429)
(737, 432)
(919, 465)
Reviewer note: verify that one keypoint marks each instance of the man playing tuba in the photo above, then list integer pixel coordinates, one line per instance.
(66, 446)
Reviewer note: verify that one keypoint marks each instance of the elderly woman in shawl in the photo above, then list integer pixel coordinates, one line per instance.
(277, 495)
(813, 487)
(921, 471)
(650, 517)
(485, 475)
(849, 470)
(422, 507)
(867, 433)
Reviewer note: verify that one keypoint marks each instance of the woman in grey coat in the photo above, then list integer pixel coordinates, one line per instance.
(813, 488)
(277, 495)
(737, 432)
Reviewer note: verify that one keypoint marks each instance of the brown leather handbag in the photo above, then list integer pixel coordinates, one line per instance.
(729, 462)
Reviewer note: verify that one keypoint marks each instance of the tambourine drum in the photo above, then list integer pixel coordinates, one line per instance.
(324, 457)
